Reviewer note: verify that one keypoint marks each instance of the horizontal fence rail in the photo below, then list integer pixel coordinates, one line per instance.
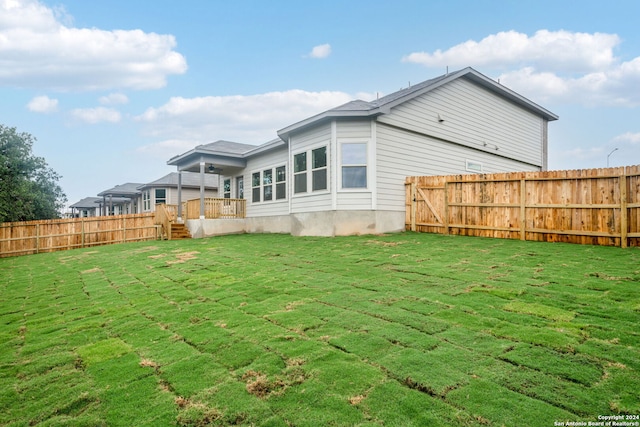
(589, 206)
(31, 237)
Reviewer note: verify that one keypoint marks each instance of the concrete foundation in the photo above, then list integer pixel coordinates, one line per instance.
(215, 227)
(346, 223)
(327, 223)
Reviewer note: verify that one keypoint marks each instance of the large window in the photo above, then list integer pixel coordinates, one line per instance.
(263, 183)
(161, 195)
(354, 165)
(316, 171)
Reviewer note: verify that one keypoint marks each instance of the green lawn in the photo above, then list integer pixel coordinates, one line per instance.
(274, 330)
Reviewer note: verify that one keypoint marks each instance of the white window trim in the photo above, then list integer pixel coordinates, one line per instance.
(473, 166)
(365, 189)
(309, 171)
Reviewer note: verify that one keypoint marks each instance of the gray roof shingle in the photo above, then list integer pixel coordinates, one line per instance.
(189, 179)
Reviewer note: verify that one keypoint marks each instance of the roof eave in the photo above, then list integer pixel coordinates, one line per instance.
(327, 115)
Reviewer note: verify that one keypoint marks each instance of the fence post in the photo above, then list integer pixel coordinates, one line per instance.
(623, 211)
(124, 230)
(37, 238)
(446, 207)
(413, 206)
(82, 233)
(523, 209)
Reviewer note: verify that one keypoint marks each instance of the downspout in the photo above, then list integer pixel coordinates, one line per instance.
(333, 164)
(545, 144)
(202, 164)
(179, 196)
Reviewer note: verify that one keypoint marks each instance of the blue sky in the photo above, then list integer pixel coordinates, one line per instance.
(111, 89)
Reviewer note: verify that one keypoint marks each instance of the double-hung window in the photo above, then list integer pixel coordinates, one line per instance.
(161, 195)
(281, 183)
(300, 173)
(310, 174)
(263, 183)
(319, 169)
(354, 165)
(256, 189)
(146, 200)
(267, 182)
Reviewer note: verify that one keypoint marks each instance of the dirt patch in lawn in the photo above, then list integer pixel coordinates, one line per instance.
(180, 257)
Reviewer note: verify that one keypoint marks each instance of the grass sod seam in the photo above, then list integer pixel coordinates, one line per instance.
(546, 327)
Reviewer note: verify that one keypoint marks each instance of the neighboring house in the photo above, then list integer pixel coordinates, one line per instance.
(139, 198)
(342, 171)
(89, 206)
(120, 200)
(165, 189)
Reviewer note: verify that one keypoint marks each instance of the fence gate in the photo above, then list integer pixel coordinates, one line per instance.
(427, 207)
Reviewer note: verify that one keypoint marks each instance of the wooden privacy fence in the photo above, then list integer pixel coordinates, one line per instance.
(589, 206)
(31, 237)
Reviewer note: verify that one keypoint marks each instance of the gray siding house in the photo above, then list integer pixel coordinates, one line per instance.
(342, 171)
(165, 189)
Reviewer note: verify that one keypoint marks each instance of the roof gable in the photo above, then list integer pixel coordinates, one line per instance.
(359, 108)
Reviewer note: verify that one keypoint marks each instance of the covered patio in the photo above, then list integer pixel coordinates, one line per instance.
(213, 158)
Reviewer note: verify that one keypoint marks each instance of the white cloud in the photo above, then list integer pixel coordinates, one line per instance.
(557, 50)
(43, 104)
(562, 66)
(321, 51)
(114, 99)
(249, 119)
(96, 115)
(164, 150)
(38, 50)
(632, 138)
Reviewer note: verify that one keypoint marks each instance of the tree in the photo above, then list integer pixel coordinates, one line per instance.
(29, 188)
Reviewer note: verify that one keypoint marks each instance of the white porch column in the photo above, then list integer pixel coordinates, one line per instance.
(202, 164)
(179, 196)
